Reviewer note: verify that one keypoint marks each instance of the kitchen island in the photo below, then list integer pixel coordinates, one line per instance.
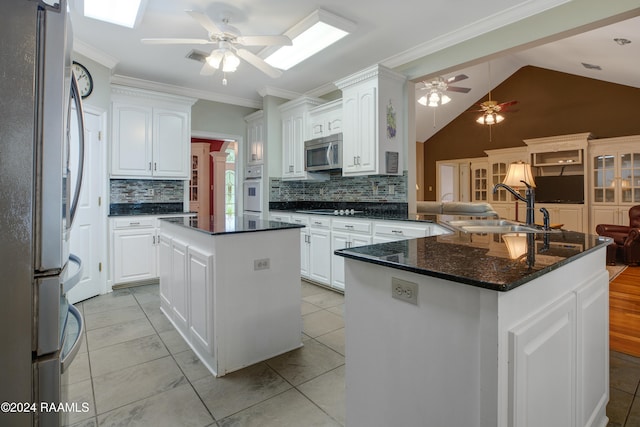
(482, 330)
(232, 288)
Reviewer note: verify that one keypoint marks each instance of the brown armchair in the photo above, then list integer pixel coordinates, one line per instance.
(626, 239)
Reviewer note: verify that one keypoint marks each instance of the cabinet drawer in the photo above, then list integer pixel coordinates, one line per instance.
(134, 223)
(401, 230)
(300, 219)
(350, 225)
(279, 217)
(319, 222)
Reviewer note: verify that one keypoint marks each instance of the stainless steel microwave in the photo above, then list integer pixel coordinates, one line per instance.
(322, 154)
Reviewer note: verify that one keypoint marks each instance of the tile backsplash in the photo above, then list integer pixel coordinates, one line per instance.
(146, 191)
(374, 188)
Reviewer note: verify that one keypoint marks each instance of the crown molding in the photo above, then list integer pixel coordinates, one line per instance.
(475, 29)
(280, 93)
(369, 73)
(94, 54)
(183, 91)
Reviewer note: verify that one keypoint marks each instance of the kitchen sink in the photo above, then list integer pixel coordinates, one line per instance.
(496, 226)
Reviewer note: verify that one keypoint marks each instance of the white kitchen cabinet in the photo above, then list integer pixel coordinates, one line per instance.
(150, 134)
(320, 252)
(179, 289)
(304, 242)
(615, 179)
(199, 266)
(135, 249)
(164, 270)
(373, 118)
(294, 116)
(255, 138)
(325, 119)
(278, 216)
(346, 234)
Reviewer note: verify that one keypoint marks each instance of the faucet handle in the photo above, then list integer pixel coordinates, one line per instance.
(545, 216)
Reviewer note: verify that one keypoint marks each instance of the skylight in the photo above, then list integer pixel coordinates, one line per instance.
(119, 12)
(314, 33)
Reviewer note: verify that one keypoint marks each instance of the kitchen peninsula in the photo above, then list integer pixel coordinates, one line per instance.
(481, 330)
(232, 288)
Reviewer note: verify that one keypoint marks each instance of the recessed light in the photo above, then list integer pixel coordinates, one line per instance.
(622, 41)
(591, 66)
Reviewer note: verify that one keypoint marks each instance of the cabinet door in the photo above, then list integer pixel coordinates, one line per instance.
(201, 316)
(479, 182)
(349, 132)
(571, 217)
(288, 151)
(179, 289)
(255, 132)
(542, 379)
(164, 271)
(317, 125)
(304, 252)
(320, 255)
(171, 148)
(339, 240)
(333, 121)
(131, 151)
(134, 254)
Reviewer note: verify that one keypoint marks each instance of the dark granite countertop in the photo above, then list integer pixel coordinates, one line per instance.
(481, 260)
(132, 209)
(230, 225)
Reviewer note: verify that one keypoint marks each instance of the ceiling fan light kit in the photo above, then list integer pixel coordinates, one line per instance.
(436, 88)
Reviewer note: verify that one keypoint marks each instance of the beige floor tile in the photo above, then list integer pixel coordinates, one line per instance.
(306, 308)
(118, 333)
(338, 309)
(129, 353)
(134, 383)
(326, 299)
(80, 393)
(91, 422)
(320, 323)
(624, 374)
(113, 317)
(328, 392)
(160, 322)
(334, 340)
(79, 369)
(178, 406)
(117, 299)
(301, 365)
(289, 409)
(239, 390)
(174, 341)
(618, 407)
(309, 289)
(191, 366)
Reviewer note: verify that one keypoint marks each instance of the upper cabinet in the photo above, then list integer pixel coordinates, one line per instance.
(295, 116)
(325, 119)
(150, 134)
(255, 138)
(372, 122)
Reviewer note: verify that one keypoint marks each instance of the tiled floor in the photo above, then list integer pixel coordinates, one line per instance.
(135, 370)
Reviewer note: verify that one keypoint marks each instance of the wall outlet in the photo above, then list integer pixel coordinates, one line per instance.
(261, 264)
(392, 189)
(150, 192)
(404, 291)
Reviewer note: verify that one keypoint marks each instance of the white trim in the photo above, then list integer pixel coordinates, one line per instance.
(94, 54)
(280, 93)
(182, 91)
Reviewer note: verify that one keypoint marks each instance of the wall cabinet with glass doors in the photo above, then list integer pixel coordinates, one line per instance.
(614, 179)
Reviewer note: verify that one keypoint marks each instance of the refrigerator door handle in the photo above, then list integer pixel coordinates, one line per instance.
(68, 356)
(75, 95)
(73, 273)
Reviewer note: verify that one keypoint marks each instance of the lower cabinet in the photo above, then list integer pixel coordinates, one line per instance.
(199, 266)
(342, 240)
(134, 253)
(570, 216)
(179, 279)
(319, 250)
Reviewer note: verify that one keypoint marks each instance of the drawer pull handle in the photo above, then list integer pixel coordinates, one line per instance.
(348, 226)
(134, 223)
(396, 231)
(317, 222)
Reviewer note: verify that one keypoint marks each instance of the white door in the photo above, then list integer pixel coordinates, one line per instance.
(88, 234)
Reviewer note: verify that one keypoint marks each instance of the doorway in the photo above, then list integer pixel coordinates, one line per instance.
(88, 234)
(453, 181)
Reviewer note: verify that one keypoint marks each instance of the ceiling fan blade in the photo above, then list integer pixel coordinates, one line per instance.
(207, 70)
(205, 21)
(456, 78)
(503, 105)
(458, 89)
(264, 41)
(259, 63)
(176, 41)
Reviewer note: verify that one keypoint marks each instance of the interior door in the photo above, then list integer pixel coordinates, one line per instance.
(87, 232)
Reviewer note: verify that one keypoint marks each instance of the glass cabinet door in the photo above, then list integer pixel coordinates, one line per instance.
(498, 173)
(630, 178)
(604, 178)
(479, 184)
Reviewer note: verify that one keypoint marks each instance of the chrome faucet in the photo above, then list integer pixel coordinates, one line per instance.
(528, 199)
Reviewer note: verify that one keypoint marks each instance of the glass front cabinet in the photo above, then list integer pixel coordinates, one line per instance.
(615, 179)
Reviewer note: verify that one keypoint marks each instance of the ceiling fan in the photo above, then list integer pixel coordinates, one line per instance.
(491, 111)
(229, 42)
(435, 95)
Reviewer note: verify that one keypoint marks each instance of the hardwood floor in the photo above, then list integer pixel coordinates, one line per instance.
(624, 312)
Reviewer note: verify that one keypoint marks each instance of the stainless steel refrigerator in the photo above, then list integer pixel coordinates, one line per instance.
(39, 188)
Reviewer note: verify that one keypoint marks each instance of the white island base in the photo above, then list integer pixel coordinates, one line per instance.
(234, 297)
(534, 356)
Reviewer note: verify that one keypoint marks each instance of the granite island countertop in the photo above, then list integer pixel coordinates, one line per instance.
(230, 224)
(482, 260)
